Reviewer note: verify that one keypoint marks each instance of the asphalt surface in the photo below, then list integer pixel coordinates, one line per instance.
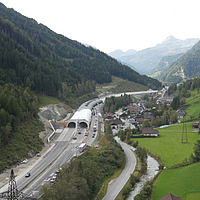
(117, 185)
(63, 149)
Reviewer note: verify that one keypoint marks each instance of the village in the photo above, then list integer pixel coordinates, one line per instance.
(145, 114)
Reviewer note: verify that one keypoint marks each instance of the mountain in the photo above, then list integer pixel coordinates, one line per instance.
(164, 65)
(148, 59)
(186, 67)
(119, 53)
(32, 55)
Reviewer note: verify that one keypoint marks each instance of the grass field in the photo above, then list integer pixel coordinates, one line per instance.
(181, 182)
(122, 85)
(46, 100)
(169, 146)
(194, 102)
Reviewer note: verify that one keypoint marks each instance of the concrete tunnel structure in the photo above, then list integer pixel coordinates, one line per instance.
(82, 117)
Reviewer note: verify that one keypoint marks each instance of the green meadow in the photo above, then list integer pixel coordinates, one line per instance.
(169, 146)
(182, 182)
(46, 100)
(193, 102)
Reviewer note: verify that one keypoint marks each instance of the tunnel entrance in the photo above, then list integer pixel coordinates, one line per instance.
(72, 125)
(83, 125)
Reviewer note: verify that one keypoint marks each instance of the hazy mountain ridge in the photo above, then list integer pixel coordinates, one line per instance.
(164, 64)
(148, 59)
(186, 67)
(119, 53)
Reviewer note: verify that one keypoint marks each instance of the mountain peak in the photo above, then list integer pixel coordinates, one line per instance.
(169, 39)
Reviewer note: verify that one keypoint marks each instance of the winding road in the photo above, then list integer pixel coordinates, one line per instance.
(129, 168)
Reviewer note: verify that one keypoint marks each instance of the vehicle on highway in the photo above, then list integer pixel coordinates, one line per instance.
(82, 147)
(86, 133)
(94, 128)
(74, 138)
(28, 175)
(24, 161)
(53, 179)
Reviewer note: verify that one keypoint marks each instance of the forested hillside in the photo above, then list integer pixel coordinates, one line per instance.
(19, 129)
(31, 55)
(187, 67)
(164, 64)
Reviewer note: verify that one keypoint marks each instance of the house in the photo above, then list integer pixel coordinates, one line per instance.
(180, 113)
(142, 102)
(123, 115)
(139, 121)
(131, 119)
(166, 100)
(148, 115)
(108, 116)
(170, 196)
(136, 110)
(196, 125)
(115, 123)
(149, 131)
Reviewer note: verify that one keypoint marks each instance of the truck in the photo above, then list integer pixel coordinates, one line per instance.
(82, 147)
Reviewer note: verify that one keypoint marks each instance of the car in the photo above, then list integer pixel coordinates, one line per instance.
(93, 135)
(28, 175)
(79, 132)
(74, 138)
(38, 155)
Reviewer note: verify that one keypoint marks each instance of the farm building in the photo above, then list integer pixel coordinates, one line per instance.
(170, 196)
(150, 132)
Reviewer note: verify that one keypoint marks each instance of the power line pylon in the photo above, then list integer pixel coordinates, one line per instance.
(13, 193)
(184, 133)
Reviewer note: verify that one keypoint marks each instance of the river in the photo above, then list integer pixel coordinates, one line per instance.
(152, 170)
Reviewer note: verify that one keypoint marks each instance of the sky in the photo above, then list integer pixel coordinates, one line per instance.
(109, 25)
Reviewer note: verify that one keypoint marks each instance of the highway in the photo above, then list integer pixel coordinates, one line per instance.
(71, 149)
(65, 148)
(119, 183)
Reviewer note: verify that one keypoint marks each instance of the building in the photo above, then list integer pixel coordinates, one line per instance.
(180, 113)
(196, 125)
(82, 117)
(131, 119)
(139, 121)
(108, 116)
(148, 115)
(170, 196)
(149, 131)
(115, 123)
(123, 115)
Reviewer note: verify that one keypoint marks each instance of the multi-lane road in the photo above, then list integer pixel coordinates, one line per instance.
(65, 148)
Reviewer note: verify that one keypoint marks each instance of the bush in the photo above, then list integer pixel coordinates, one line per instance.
(133, 180)
(126, 190)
